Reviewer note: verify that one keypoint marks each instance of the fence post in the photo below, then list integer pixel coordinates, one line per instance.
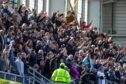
(29, 80)
(15, 78)
(24, 80)
(5, 75)
(33, 77)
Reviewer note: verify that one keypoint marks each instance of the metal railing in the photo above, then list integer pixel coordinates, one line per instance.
(12, 77)
(38, 78)
(18, 78)
(34, 77)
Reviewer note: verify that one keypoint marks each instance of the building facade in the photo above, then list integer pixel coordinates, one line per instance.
(114, 19)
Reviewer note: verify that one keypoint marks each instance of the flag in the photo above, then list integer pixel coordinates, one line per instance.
(1, 1)
(82, 23)
(89, 25)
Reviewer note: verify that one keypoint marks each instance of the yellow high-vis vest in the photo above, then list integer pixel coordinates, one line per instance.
(61, 76)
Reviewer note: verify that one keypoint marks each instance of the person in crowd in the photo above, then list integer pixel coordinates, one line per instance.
(75, 73)
(19, 64)
(1, 40)
(123, 77)
(69, 61)
(1, 63)
(70, 17)
(88, 61)
(61, 75)
(6, 60)
(101, 76)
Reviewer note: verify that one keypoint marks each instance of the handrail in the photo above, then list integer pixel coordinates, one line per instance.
(5, 75)
(38, 73)
(24, 79)
(42, 78)
(32, 78)
(11, 74)
(37, 78)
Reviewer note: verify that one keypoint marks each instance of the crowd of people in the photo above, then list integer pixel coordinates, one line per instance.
(42, 42)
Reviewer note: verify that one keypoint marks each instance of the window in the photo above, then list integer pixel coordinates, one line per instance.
(40, 5)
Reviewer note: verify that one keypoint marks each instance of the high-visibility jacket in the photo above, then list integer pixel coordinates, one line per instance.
(61, 76)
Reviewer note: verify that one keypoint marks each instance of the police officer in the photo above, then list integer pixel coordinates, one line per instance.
(61, 76)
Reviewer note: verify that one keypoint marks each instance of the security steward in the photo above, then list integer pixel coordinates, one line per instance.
(61, 76)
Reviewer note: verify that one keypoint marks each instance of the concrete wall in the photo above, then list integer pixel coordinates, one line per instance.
(83, 9)
(79, 9)
(55, 5)
(44, 5)
(94, 12)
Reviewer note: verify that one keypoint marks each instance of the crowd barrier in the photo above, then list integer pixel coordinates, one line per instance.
(9, 78)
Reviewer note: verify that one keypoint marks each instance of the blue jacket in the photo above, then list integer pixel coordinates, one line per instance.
(85, 61)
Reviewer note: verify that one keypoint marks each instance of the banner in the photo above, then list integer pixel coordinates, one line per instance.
(3, 81)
